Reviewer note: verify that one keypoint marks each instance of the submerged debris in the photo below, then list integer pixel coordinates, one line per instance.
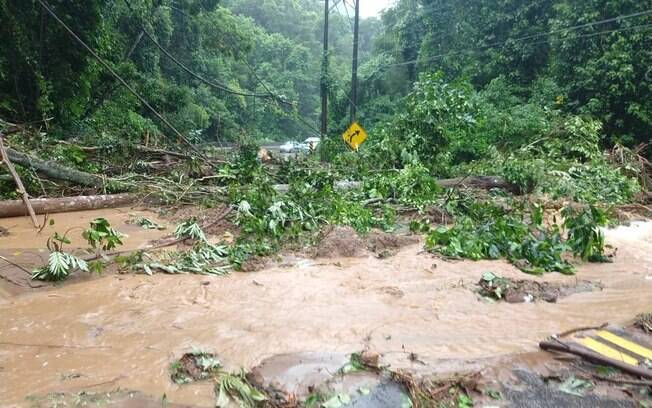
(644, 322)
(194, 366)
(522, 290)
(146, 223)
(230, 388)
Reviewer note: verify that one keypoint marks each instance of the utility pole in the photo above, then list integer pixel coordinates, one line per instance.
(324, 75)
(354, 75)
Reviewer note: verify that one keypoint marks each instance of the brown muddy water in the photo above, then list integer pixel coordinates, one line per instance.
(124, 330)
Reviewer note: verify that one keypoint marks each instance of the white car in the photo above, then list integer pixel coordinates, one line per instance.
(290, 147)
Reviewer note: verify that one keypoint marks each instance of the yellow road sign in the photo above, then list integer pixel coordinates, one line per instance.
(354, 136)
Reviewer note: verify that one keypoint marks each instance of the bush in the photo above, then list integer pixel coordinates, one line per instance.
(412, 186)
(489, 232)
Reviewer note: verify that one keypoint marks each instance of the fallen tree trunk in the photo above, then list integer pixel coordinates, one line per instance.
(162, 152)
(481, 182)
(55, 170)
(16, 208)
(595, 358)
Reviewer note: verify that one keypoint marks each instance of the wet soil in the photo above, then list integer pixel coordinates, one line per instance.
(345, 242)
(527, 290)
(339, 242)
(385, 244)
(125, 330)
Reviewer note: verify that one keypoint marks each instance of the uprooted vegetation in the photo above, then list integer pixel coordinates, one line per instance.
(446, 132)
(361, 380)
(521, 290)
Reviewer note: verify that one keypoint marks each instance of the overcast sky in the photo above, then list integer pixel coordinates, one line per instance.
(370, 8)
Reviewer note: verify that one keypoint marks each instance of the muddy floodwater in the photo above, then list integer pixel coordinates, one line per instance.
(124, 330)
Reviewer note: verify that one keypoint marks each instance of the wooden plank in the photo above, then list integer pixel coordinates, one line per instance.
(607, 351)
(626, 344)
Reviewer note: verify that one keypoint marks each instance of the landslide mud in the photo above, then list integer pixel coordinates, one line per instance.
(124, 330)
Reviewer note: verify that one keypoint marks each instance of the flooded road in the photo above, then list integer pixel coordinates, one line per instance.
(125, 330)
(21, 243)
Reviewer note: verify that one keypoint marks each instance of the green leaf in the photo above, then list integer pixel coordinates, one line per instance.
(337, 401)
(575, 386)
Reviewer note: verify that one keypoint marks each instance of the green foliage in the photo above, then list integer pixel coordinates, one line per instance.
(189, 229)
(236, 389)
(194, 366)
(437, 118)
(526, 174)
(594, 182)
(202, 259)
(102, 235)
(600, 69)
(489, 232)
(585, 238)
(60, 263)
(493, 286)
(412, 186)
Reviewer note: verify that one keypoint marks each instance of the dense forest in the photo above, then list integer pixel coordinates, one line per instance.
(587, 58)
(230, 51)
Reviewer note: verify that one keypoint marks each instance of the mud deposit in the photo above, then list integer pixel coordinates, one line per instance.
(125, 330)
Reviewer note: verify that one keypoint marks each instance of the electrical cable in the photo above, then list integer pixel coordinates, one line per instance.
(210, 83)
(119, 78)
(501, 43)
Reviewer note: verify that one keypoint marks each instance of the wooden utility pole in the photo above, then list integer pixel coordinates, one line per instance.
(324, 75)
(354, 75)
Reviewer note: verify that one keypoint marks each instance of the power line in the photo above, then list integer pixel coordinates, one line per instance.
(277, 97)
(296, 114)
(213, 84)
(496, 44)
(346, 10)
(118, 77)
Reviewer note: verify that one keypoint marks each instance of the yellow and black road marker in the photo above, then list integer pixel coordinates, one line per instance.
(615, 347)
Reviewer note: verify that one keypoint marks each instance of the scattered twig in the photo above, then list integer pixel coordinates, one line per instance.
(45, 222)
(105, 382)
(580, 329)
(22, 268)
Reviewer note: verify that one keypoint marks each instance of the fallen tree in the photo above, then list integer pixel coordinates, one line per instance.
(56, 171)
(479, 182)
(16, 208)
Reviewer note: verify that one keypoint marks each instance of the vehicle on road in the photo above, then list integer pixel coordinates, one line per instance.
(291, 147)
